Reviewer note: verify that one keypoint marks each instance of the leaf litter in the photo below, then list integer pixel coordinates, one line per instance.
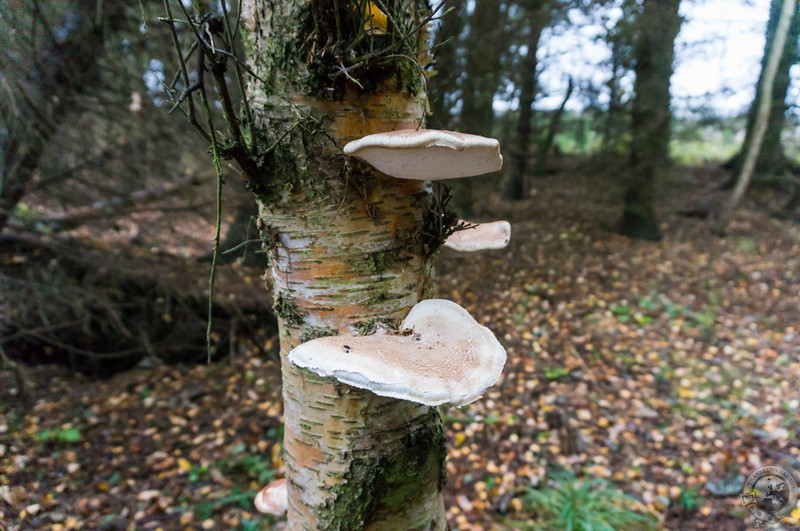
(670, 370)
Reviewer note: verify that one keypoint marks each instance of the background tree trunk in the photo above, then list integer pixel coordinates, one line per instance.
(443, 87)
(485, 47)
(615, 122)
(346, 250)
(485, 44)
(762, 115)
(657, 27)
(771, 159)
(547, 141)
(614, 114)
(515, 184)
(63, 68)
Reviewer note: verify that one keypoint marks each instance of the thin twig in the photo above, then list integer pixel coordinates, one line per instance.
(217, 229)
(214, 49)
(166, 19)
(87, 353)
(343, 70)
(283, 135)
(241, 152)
(336, 18)
(387, 12)
(238, 61)
(240, 245)
(238, 69)
(215, 155)
(229, 113)
(392, 46)
(188, 55)
(48, 328)
(186, 83)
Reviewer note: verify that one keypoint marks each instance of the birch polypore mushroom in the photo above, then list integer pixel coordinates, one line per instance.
(480, 237)
(428, 154)
(442, 356)
(273, 499)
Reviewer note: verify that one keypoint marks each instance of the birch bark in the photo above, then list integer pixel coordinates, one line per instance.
(347, 249)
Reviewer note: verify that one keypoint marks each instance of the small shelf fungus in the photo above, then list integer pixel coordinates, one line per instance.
(480, 237)
(442, 356)
(431, 154)
(273, 499)
(428, 154)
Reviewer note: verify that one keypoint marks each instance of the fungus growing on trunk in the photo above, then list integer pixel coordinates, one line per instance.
(442, 355)
(480, 237)
(273, 498)
(428, 154)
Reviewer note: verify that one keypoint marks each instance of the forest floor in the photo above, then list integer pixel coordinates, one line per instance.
(669, 369)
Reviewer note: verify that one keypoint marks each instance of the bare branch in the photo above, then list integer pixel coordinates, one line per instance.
(170, 21)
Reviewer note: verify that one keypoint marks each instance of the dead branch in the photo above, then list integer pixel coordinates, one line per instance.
(73, 218)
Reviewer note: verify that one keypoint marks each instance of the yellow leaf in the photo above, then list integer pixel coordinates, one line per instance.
(184, 464)
(685, 393)
(277, 456)
(376, 20)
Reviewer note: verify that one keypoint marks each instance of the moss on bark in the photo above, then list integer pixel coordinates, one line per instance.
(391, 480)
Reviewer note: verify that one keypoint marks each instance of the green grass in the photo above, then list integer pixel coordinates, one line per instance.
(246, 466)
(571, 504)
(554, 373)
(239, 498)
(643, 311)
(59, 434)
(700, 152)
(690, 500)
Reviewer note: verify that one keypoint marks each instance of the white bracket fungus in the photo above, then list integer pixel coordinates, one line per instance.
(442, 356)
(428, 154)
(273, 499)
(481, 237)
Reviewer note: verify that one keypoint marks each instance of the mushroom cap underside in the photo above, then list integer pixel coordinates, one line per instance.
(428, 154)
(480, 237)
(447, 358)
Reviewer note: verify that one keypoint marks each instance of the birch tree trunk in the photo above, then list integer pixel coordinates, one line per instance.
(761, 120)
(771, 158)
(348, 248)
